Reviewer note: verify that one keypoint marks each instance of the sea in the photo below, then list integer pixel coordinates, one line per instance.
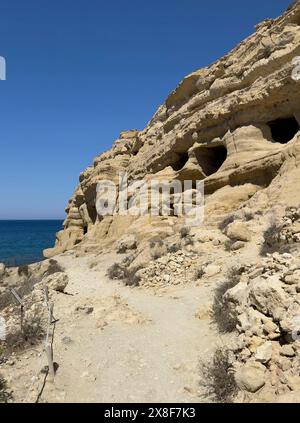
(23, 241)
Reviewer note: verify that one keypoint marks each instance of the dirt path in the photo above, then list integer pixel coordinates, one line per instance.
(119, 344)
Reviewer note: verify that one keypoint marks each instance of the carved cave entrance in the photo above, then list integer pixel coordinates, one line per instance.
(181, 162)
(210, 159)
(284, 130)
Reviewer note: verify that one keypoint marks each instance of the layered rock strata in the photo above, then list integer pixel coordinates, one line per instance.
(234, 124)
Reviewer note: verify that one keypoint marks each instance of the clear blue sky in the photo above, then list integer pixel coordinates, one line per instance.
(80, 71)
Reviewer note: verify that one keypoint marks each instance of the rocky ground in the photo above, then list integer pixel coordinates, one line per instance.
(155, 339)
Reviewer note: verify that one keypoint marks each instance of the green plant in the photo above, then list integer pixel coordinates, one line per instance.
(217, 377)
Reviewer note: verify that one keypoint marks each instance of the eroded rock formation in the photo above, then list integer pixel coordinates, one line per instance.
(234, 124)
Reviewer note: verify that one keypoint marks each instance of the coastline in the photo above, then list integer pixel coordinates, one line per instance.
(22, 241)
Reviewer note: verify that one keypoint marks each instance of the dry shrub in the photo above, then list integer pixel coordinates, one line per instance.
(54, 267)
(23, 270)
(271, 240)
(5, 395)
(116, 271)
(225, 222)
(154, 242)
(31, 333)
(189, 240)
(222, 312)
(157, 254)
(199, 273)
(217, 377)
(173, 248)
(120, 272)
(184, 232)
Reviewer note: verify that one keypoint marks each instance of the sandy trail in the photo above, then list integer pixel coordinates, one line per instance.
(135, 346)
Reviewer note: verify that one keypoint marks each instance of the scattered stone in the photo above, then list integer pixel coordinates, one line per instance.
(251, 377)
(264, 352)
(238, 231)
(67, 340)
(2, 269)
(238, 245)
(287, 350)
(292, 279)
(212, 270)
(85, 309)
(128, 242)
(56, 282)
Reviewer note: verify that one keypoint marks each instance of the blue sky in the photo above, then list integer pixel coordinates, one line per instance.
(79, 72)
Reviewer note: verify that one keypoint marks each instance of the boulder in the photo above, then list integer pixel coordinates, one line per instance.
(237, 295)
(2, 269)
(251, 377)
(238, 231)
(127, 243)
(264, 352)
(237, 245)
(287, 351)
(268, 297)
(293, 279)
(56, 282)
(212, 270)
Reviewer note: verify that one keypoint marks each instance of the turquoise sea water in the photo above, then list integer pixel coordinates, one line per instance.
(23, 241)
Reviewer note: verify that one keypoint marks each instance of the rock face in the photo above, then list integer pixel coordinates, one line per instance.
(234, 124)
(2, 269)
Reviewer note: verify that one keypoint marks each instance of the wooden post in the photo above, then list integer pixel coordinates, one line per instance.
(20, 301)
(48, 346)
(22, 317)
(50, 362)
(46, 290)
(51, 307)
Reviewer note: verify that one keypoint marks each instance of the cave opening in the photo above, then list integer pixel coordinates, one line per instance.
(284, 130)
(211, 159)
(92, 213)
(181, 162)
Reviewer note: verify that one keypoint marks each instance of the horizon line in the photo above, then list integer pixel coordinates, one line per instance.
(23, 219)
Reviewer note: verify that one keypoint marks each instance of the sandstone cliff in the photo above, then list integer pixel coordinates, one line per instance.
(234, 124)
(158, 311)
